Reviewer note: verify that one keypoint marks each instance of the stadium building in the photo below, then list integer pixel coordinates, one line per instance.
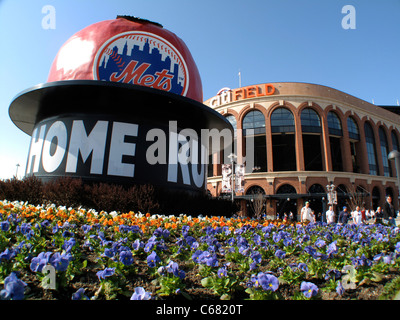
(307, 137)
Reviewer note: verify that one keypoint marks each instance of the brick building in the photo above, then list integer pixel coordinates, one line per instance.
(308, 136)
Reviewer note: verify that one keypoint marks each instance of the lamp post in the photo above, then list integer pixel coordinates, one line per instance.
(395, 155)
(232, 157)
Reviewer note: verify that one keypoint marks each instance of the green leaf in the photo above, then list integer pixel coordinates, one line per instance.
(207, 282)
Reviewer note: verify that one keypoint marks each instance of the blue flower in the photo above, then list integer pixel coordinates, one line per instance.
(7, 254)
(86, 228)
(13, 288)
(79, 295)
(256, 256)
(140, 294)
(268, 281)
(153, 259)
(68, 244)
(320, 243)
(126, 257)
(309, 289)
(303, 267)
(60, 261)
(339, 288)
(280, 254)
(107, 272)
(222, 272)
(137, 244)
(332, 248)
(4, 226)
(40, 261)
(333, 273)
(173, 267)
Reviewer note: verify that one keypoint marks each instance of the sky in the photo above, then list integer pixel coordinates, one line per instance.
(266, 41)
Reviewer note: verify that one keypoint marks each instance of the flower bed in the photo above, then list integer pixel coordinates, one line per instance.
(49, 252)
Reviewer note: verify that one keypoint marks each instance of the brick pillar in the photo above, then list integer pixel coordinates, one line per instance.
(326, 145)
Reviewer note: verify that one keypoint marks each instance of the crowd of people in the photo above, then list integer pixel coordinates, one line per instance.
(386, 214)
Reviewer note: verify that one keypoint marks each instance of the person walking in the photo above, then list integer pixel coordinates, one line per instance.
(389, 212)
(306, 213)
(357, 215)
(330, 215)
(343, 216)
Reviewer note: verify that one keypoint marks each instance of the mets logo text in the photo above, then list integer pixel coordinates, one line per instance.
(142, 58)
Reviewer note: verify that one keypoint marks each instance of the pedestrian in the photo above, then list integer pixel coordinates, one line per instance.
(357, 215)
(330, 215)
(306, 213)
(363, 216)
(343, 216)
(378, 215)
(389, 212)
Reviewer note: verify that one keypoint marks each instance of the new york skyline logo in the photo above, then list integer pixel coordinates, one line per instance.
(142, 58)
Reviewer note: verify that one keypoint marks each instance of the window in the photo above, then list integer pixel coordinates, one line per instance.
(354, 136)
(254, 120)
(283, 140)
(334, 124)
(282, 120)
(232, 120)
(310, 121)
(310, 124)
(335, 134)
(371, 151)
(352, 127)
(387, 169)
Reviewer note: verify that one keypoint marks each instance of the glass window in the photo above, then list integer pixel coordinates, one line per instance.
(310, 121)
(334, 124)
(387, 170)
(282, 120)
(254, 120)
(353, 129)
(370, 140)
(233, 122)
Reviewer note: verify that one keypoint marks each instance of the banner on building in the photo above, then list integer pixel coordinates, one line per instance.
(226, 178)
(239, 177)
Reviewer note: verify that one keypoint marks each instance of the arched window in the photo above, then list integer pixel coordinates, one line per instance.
(335, 134)
(233, 122)
(311, 124)
(310, 121)
(334, 124)
(387, 169)
(371, 149)
(282, 120)
(352, 127)
(255, 120)
(283, 140)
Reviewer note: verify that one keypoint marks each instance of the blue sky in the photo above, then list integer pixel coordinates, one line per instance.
(268, 41)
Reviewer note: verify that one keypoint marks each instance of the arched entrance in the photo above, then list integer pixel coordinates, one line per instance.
(256, 201)
(287, 201)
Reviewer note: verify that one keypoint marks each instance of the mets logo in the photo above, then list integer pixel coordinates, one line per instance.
(142, 58)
